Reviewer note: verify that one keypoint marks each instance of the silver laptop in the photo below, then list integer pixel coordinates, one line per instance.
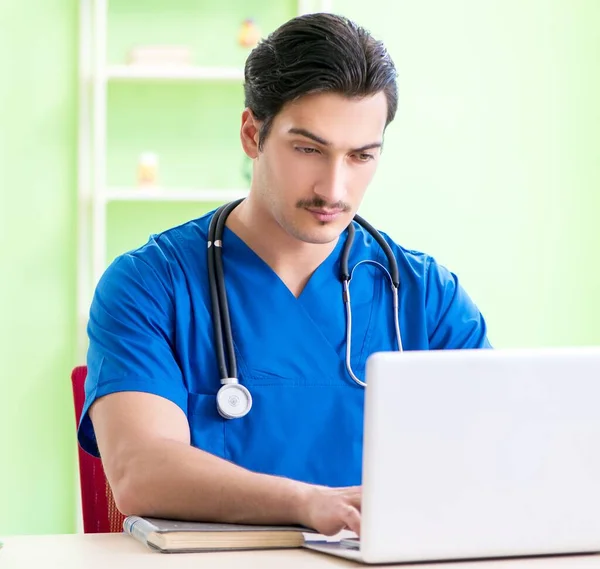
(479, 454)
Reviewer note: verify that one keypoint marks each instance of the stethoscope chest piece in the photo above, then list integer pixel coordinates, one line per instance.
(233, 401)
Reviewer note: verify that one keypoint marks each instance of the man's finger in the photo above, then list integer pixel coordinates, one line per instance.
(352, 519)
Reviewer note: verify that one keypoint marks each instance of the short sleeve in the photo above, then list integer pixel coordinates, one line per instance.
(131, 336)
(453, 319)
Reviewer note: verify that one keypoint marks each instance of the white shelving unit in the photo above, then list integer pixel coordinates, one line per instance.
(93, 193)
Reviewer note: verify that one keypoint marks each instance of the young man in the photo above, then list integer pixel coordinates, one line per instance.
(320, 92)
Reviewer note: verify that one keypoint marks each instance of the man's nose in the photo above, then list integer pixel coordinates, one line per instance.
(332, 185)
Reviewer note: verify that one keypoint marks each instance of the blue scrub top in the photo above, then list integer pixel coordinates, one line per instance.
(150, 330)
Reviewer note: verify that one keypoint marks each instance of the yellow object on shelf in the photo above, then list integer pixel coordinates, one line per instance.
(249, 33)
(147, 171)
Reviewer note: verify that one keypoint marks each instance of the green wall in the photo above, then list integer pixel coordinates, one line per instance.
(491, 166)
(38, 105)
(496, 147)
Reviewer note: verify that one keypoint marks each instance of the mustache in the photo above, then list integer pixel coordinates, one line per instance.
(320, 203)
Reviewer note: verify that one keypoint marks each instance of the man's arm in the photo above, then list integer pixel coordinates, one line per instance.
(144, 441)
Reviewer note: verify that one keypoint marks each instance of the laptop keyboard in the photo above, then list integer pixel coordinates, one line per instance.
(350, 543)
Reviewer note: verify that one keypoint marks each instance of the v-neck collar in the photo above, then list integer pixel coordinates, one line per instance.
(237, 249)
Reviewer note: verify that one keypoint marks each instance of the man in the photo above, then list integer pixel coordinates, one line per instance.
(320, 92)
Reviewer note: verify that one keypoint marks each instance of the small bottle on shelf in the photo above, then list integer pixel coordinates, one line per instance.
(249, 33)
(147, 171)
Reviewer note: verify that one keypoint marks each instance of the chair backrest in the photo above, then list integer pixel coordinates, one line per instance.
(100, 513)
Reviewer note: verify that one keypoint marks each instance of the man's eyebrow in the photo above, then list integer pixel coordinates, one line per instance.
(369, 146)
(316, 138)
(308, 134)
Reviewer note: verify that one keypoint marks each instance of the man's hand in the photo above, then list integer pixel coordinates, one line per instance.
(330, 510)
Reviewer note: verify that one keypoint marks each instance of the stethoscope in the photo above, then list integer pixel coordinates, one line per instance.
(233, 399)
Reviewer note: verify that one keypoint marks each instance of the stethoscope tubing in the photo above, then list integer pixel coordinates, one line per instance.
(223, 336)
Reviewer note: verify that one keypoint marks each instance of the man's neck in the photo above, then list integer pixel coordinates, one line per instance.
(294, 261)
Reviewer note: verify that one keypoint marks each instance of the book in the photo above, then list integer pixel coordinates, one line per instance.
(171, 536)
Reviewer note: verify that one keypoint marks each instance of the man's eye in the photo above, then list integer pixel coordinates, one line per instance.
(307, 150)
(363, 157)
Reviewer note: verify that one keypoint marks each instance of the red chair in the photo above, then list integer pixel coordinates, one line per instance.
(100, 513)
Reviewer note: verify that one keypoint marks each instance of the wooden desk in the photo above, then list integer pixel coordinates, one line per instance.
(118, 551)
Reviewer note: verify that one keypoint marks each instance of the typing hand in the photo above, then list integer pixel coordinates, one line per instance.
(330, 510)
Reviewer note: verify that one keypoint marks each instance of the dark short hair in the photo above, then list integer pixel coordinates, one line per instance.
(316, 53)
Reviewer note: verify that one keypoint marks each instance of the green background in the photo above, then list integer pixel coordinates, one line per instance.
(492, 166)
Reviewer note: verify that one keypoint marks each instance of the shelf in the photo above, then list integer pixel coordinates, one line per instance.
(173, 73)
(173, 194)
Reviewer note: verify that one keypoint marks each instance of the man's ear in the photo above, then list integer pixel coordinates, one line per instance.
(249, 133)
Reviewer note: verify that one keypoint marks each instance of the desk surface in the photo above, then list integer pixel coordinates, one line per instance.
(116, 551)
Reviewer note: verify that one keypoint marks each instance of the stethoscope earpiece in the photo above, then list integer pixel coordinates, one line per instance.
(233, 400)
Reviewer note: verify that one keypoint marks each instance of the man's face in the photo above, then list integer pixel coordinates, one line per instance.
(317, 161)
